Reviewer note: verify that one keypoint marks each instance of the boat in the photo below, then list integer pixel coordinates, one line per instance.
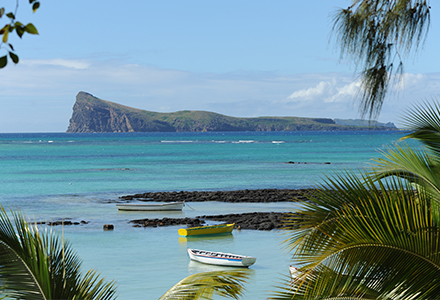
(150, 206)
(202, 230)
(220, 258)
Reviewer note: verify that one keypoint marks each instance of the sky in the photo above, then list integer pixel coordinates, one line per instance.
(239, 58)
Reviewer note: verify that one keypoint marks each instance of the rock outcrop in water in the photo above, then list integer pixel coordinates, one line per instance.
(91, 114)
(253, 221)
(238, 196)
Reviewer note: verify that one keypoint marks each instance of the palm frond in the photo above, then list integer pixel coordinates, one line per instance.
(36, 264)
(356, 236)
(205, 285)
(423, 120)
(416, 166)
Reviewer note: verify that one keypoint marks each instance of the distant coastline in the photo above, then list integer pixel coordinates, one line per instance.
(91, 114)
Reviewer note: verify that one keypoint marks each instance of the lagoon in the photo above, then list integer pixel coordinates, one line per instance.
(53, 176)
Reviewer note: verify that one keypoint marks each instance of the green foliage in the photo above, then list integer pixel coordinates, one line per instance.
(358, 238)
(376, 34)
(37, 264)
(11, 25)
(420, 166)
(377, 235)
(424, 123)
(205, 285)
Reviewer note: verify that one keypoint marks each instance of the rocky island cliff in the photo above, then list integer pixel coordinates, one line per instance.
(91, 114)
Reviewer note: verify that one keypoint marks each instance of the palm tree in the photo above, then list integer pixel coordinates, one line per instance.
(419, 164)
(377, 34)
(357, 238)
(36, 264)
(377, 235)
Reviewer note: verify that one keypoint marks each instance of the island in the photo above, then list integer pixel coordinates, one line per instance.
(91, 114)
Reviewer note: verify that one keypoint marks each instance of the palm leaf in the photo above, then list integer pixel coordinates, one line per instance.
(424, 123)
(205, 285)
(359, 238)
(37, 264)
(414, 165)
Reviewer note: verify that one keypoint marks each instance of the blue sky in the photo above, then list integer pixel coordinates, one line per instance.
(239, 58)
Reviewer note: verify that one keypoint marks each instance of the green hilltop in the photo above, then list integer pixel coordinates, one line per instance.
(91, 114)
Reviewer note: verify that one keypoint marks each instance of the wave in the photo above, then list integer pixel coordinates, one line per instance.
(244, 142)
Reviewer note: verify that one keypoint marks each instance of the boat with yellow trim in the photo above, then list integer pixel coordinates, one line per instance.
(204, 230)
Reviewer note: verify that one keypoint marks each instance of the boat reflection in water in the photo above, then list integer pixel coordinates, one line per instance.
(206, 239)
(197, 267)
(170, 206)
(207, 230)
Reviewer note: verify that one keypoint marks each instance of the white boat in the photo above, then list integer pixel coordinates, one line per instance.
(220, 258)
(150, 206)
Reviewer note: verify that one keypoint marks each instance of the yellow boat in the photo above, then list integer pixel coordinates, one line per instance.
(212, 229)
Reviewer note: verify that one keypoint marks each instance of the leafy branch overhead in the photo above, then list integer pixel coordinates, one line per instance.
(377, 34)
(13, 25)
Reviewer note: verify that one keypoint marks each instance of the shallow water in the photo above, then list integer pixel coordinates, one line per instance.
(80, 176)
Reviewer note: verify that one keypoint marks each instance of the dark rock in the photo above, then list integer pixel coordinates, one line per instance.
(62, 222)
(108, 227)
(254, 221)
(251, 196)
(189, 222)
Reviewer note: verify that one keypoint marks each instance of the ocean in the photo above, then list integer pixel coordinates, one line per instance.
(54, 176)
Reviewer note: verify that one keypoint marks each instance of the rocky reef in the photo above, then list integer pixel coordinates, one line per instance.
(255, 196)
(254, 221)
(251, 220)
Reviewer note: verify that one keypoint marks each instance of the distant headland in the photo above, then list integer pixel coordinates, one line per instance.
(91, 114)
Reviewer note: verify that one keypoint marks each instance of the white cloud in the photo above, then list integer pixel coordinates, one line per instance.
(71, 64)
(321, 89)
(348, 91)
(43, 92)
(330, 91)
(408, 81)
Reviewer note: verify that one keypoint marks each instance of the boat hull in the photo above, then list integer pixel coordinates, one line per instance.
(172, 206)
(220, 258)
(205, 230)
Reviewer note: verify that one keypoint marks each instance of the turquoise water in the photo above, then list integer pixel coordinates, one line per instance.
(79, 176)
